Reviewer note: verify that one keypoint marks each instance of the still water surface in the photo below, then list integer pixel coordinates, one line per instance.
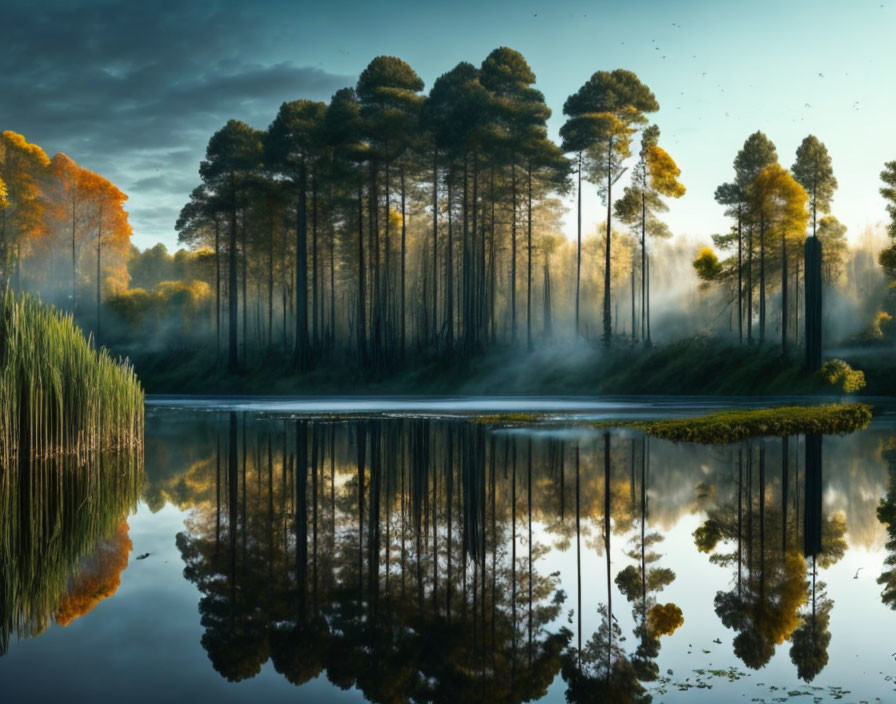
(390, 550)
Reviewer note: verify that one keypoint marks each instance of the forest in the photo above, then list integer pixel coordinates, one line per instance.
(393, 228)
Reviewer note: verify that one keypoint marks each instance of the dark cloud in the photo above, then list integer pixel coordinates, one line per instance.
(134, 90)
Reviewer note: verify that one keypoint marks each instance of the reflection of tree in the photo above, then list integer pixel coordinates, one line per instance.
(63, 539)
(823, 545)
(770, 580)
(98, 577)
(886, 513)
(771, 583)
(601, 669)
(640, 581)
(395, 574)
(810, 640)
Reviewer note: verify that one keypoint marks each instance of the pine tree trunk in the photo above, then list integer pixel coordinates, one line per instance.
(315, 295)
(761, 280)
(233, 363)
(301, 296)
(579, 243)
(362, 284)
(404, 253)
(513, 252)
(529, 257)
(608, 315)
(217, 288)
(435, 245)
(784, 301)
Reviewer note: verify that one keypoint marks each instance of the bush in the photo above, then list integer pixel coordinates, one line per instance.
(838, 373)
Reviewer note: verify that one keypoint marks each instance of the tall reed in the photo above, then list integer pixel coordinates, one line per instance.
(57, 393)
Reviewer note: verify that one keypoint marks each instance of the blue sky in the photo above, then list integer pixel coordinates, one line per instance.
(134, 92)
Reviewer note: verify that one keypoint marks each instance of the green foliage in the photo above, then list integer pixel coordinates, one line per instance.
(708, 535)
(813, 170)
(707, 265)
(888, 176)
(234, 149)
(183, 299)
(839, 374)
(757, 153)
(887, 260)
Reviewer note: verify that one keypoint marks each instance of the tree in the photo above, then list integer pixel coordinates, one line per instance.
(733, 196)
(757, 153)
(234, 152)
(832, 235)
(22, 168)
(198, 223)
(456, 113)
(813, 171)
(342, 131)
(780, 203)
(69, 209)
(388, 90)
(655, 175)
(604, 114)
(520, 114)
(707, 265)
(292, 147)
(887, 257)
(112, 229)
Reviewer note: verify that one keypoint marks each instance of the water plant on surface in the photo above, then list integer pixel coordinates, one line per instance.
(58, 393)
(730, 425)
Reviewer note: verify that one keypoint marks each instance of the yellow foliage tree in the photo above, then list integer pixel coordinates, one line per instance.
(22, 169)
(664, 619)
(780, 205)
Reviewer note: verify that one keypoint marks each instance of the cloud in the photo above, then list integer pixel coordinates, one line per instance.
(134, 90)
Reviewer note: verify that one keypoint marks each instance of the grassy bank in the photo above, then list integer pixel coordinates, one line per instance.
(57, 393)
(727, 426)
(694, 366)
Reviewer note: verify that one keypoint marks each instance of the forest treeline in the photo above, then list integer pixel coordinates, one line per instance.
(390, 222)
(68, 222)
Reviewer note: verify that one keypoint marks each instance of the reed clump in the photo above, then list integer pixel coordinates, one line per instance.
(57, 393)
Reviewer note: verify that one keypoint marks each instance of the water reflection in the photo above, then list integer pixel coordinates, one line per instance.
(403, 556)
(402, 572)
(433, 559)
(63, 537)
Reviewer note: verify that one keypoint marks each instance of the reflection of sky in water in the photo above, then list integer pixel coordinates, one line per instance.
(144, 643)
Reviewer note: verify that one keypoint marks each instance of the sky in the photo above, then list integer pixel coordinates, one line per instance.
(135, 90)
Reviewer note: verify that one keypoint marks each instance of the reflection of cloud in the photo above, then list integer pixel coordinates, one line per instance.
(134, 93)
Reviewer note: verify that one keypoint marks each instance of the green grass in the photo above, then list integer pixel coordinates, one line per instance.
(727, 426)
(57, 393)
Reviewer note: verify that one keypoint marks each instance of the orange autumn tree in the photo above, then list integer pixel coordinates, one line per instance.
(111, 236)
(22, 170)
(69, 220)
(98, 578)
(88, 225)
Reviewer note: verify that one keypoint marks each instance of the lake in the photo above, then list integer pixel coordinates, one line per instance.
(389, 550)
